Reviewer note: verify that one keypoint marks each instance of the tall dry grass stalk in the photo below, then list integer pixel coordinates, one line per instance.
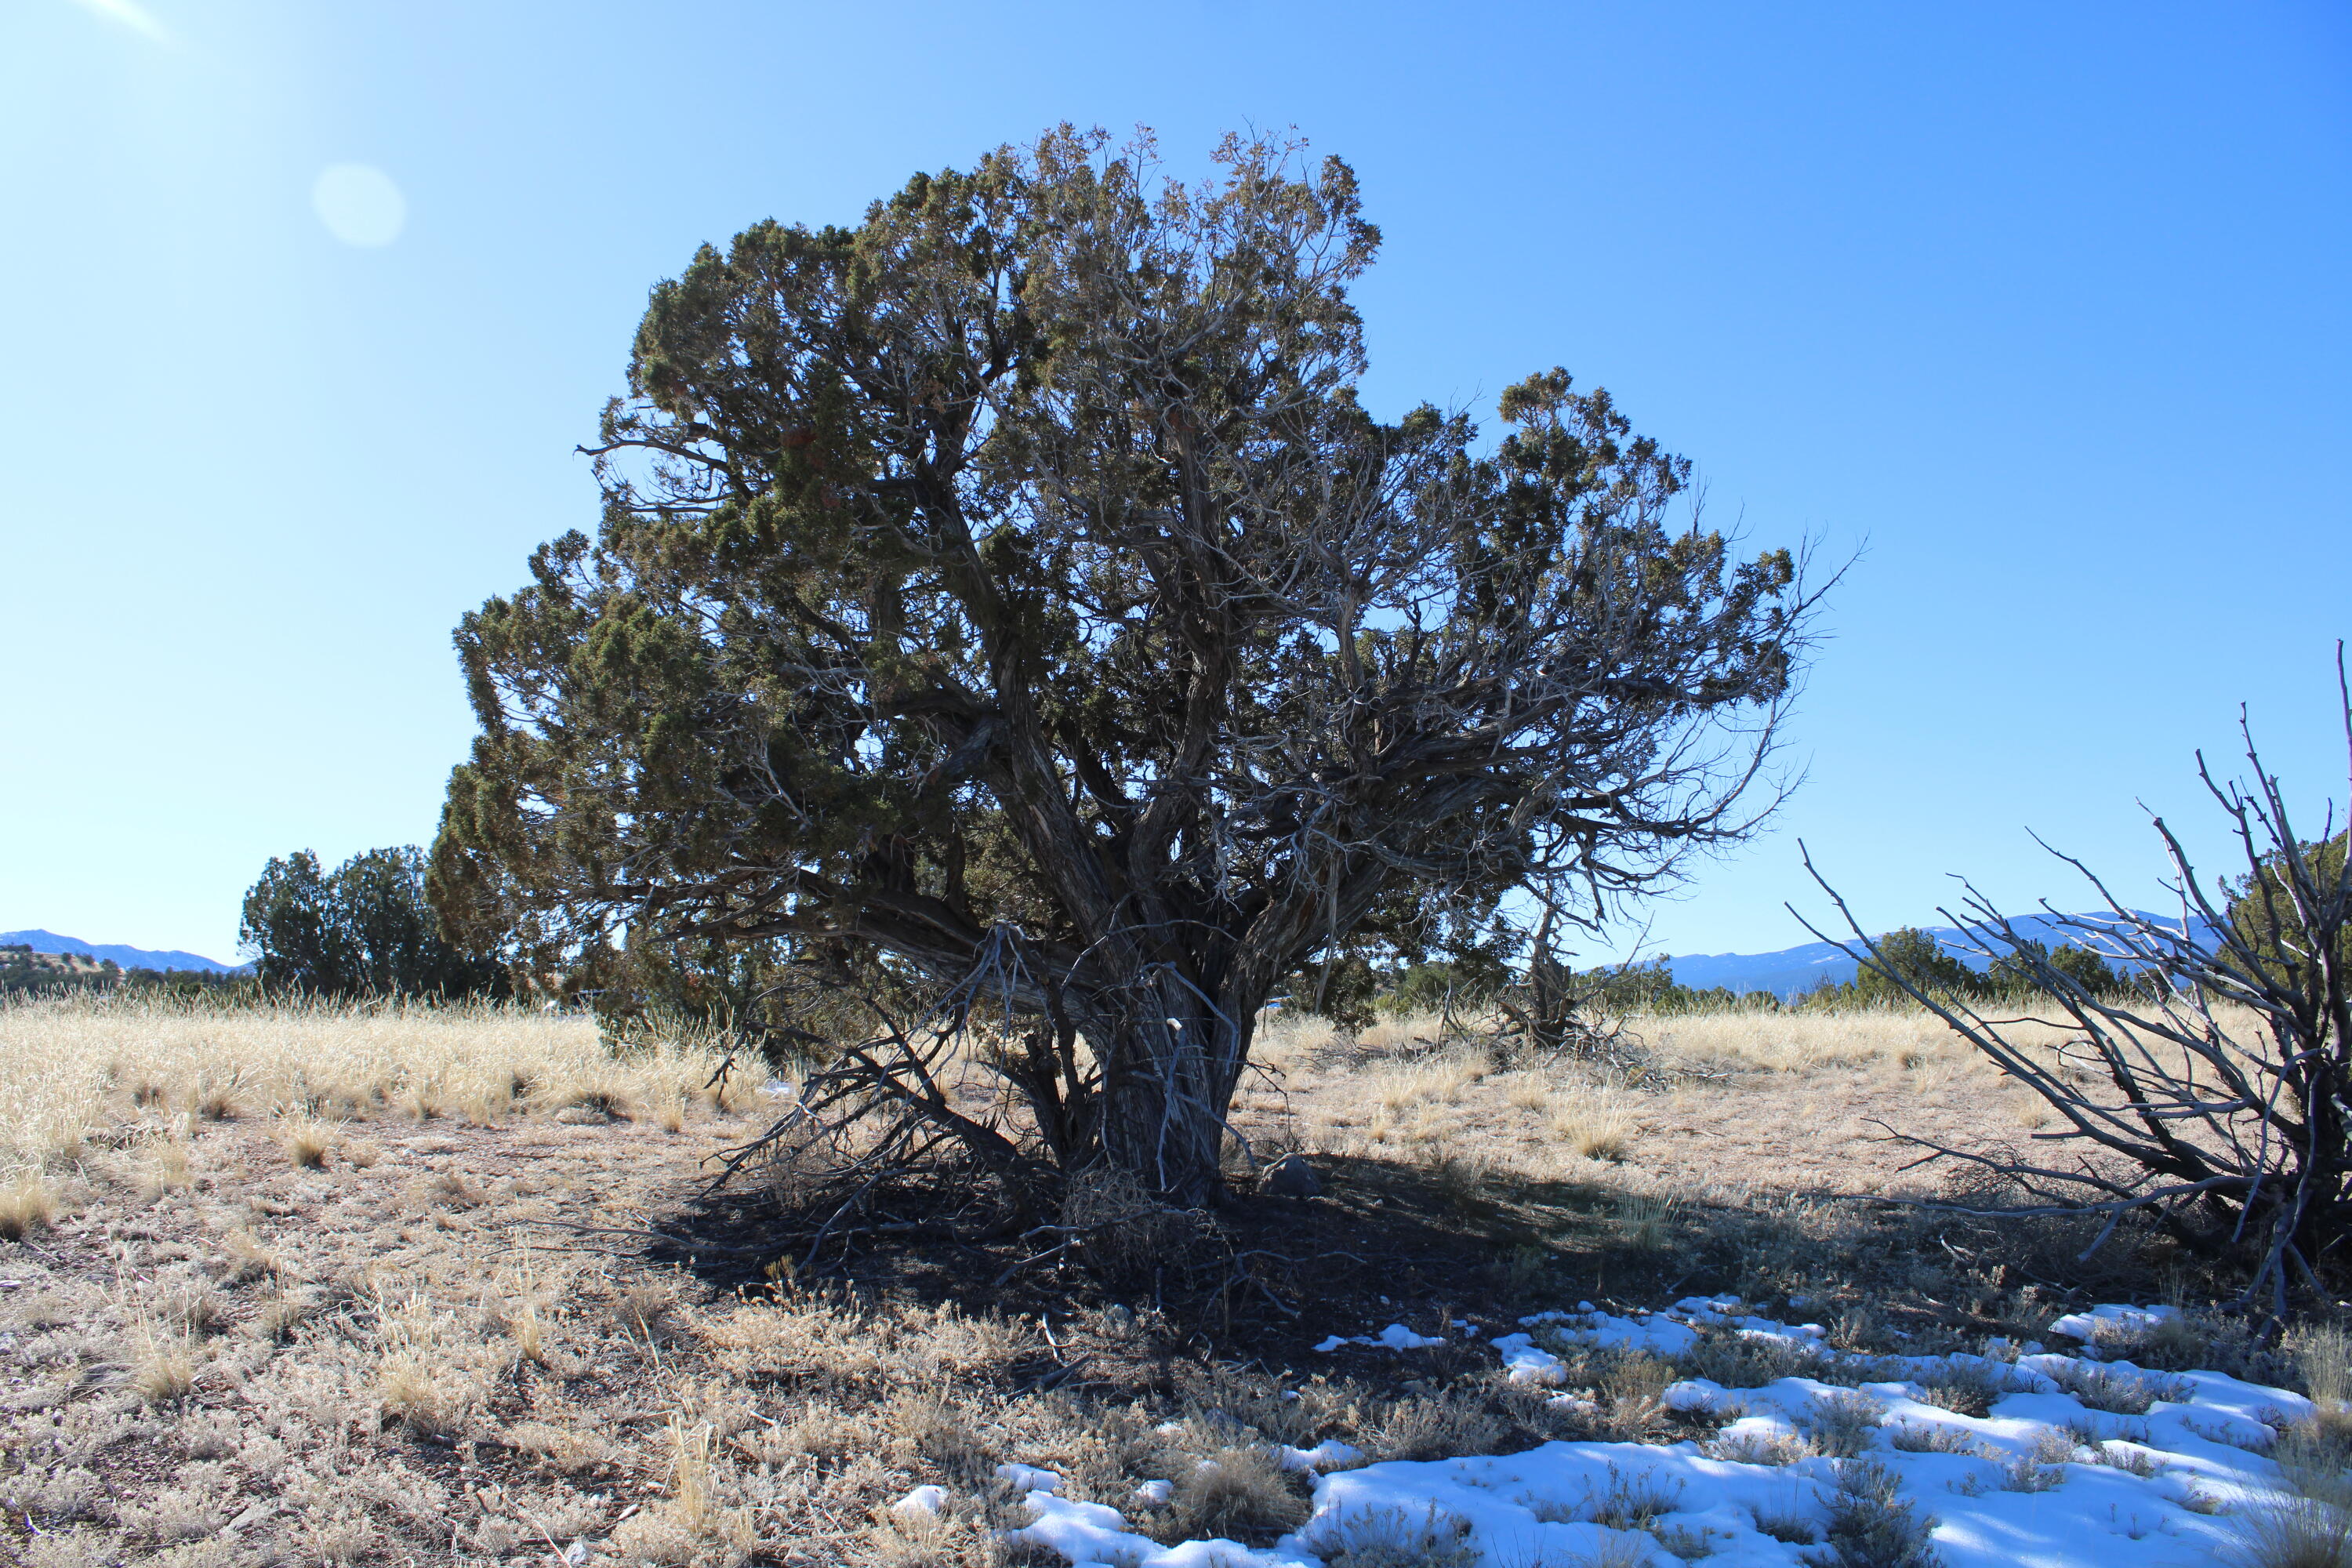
(71, 1067)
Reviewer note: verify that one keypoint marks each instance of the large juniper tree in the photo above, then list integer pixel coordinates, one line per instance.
(1015, 582)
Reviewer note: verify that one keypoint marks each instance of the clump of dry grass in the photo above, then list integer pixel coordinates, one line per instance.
(162, 1363)
(1237, 1493)
(694, 1523)
(1595, 1122)
(307, 1143)
(29, 1203)
(425, 1375)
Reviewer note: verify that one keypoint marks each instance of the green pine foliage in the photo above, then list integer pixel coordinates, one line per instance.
(363, 930)
(2262, 904)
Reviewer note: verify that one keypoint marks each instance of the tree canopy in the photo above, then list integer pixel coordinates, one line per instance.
(1012, 590)
(363, 930)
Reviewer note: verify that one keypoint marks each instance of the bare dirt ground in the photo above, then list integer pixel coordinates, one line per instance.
(340, 1289)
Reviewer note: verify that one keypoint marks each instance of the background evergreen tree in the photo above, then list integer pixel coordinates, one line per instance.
(364, 929)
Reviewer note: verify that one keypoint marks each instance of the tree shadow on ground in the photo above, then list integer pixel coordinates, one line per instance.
(1437, 1247)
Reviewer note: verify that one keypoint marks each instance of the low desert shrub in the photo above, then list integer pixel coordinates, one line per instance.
(1758, 1448)
(1748, 1361)
(1870, 1526)
(1963, 1388)
(1843, 1426)
(2293, 1533)
(1933, 1437)
(2113, 1390)
(1634, 1502)
(1395, 1538)
(1457, 1421)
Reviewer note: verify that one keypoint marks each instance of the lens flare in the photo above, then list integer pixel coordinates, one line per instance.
(359, 205)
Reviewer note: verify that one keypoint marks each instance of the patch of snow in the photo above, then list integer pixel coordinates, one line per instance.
(1526, 1362)
(1328, 1455)
(2201, 1433)
(2084, 1325)
(1028, 1479)
(1395, 1337)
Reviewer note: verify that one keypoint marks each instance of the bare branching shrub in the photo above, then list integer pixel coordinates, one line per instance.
(2211, 1097)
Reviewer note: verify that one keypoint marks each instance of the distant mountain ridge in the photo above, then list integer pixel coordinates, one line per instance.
(128, 957)
(1793, 971)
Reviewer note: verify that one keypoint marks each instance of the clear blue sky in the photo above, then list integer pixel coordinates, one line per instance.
(2047, 303)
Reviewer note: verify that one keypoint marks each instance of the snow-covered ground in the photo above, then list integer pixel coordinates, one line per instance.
(2043, 1478)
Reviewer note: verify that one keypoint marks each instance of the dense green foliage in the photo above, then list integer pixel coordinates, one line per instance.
(2260, 907)
(363, 930)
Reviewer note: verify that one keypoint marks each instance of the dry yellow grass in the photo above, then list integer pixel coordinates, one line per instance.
(72, 1068)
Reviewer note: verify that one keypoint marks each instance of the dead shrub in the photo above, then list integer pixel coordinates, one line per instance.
(1118, 1227)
